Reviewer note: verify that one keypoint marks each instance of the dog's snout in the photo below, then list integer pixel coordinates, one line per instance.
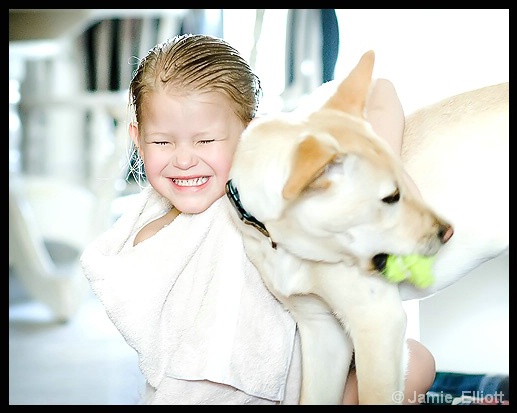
(445, 233)
(379, 261)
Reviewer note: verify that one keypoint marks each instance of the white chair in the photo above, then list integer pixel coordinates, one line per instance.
(49, 225)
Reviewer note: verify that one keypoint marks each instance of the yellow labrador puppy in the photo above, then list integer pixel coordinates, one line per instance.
(321, 200)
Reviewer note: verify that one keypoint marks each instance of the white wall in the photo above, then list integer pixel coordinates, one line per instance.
(429, 55)
(466, 326)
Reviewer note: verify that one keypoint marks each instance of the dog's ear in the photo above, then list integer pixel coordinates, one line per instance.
(310, 159)
(352, 92)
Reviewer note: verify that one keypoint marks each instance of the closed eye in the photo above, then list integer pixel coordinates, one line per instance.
(205, 141)
(393, 198)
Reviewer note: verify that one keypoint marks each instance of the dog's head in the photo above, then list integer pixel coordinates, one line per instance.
(326, 187)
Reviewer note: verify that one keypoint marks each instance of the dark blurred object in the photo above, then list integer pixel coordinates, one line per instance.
(459, 389)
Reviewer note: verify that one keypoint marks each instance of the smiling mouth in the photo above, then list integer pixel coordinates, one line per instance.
(190, 182)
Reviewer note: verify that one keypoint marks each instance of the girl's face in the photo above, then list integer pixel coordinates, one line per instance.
(187, 143)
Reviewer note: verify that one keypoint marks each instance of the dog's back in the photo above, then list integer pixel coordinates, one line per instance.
(457, 152)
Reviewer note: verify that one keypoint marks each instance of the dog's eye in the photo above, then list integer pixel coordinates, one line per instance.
(394, 197)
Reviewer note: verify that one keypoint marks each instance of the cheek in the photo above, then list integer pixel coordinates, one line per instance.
(155, 161)
(224, 161)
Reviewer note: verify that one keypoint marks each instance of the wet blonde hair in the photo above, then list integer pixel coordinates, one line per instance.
(195, 62)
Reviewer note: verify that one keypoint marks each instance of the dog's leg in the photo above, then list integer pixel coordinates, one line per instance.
(376, 322)
(378, 329)
(326, 351)
(380, 368)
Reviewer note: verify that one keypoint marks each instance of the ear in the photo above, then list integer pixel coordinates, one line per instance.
(352, 92)
(135, 136)
(311, 157)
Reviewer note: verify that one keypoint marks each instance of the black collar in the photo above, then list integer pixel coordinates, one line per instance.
(245, 216)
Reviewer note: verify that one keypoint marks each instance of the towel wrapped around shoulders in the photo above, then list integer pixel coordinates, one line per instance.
(195, 309)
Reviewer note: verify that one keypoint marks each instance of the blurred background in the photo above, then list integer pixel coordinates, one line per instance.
(69, 72)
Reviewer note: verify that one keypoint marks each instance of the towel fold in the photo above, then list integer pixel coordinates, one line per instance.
(190, 302)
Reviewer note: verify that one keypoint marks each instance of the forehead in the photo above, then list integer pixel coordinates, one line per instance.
(188, 114)
(354, 136)
(210, 104)
(216, 97)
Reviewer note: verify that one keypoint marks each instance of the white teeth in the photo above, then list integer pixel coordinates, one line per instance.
(190, 182)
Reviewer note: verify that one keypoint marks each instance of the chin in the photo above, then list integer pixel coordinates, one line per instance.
(195, 207)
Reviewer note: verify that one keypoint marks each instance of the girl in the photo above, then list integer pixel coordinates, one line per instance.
(171, 272)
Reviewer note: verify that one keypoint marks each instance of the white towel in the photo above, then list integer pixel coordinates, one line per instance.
(190, 302)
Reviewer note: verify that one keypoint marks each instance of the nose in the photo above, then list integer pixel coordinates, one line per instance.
(445, 232)
(184, 157)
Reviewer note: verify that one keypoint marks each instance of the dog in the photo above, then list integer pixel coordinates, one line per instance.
(321, 200)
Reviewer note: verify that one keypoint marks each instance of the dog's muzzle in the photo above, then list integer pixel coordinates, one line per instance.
(245, 216)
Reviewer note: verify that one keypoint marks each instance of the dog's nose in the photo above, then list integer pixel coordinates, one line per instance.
(445, 233)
